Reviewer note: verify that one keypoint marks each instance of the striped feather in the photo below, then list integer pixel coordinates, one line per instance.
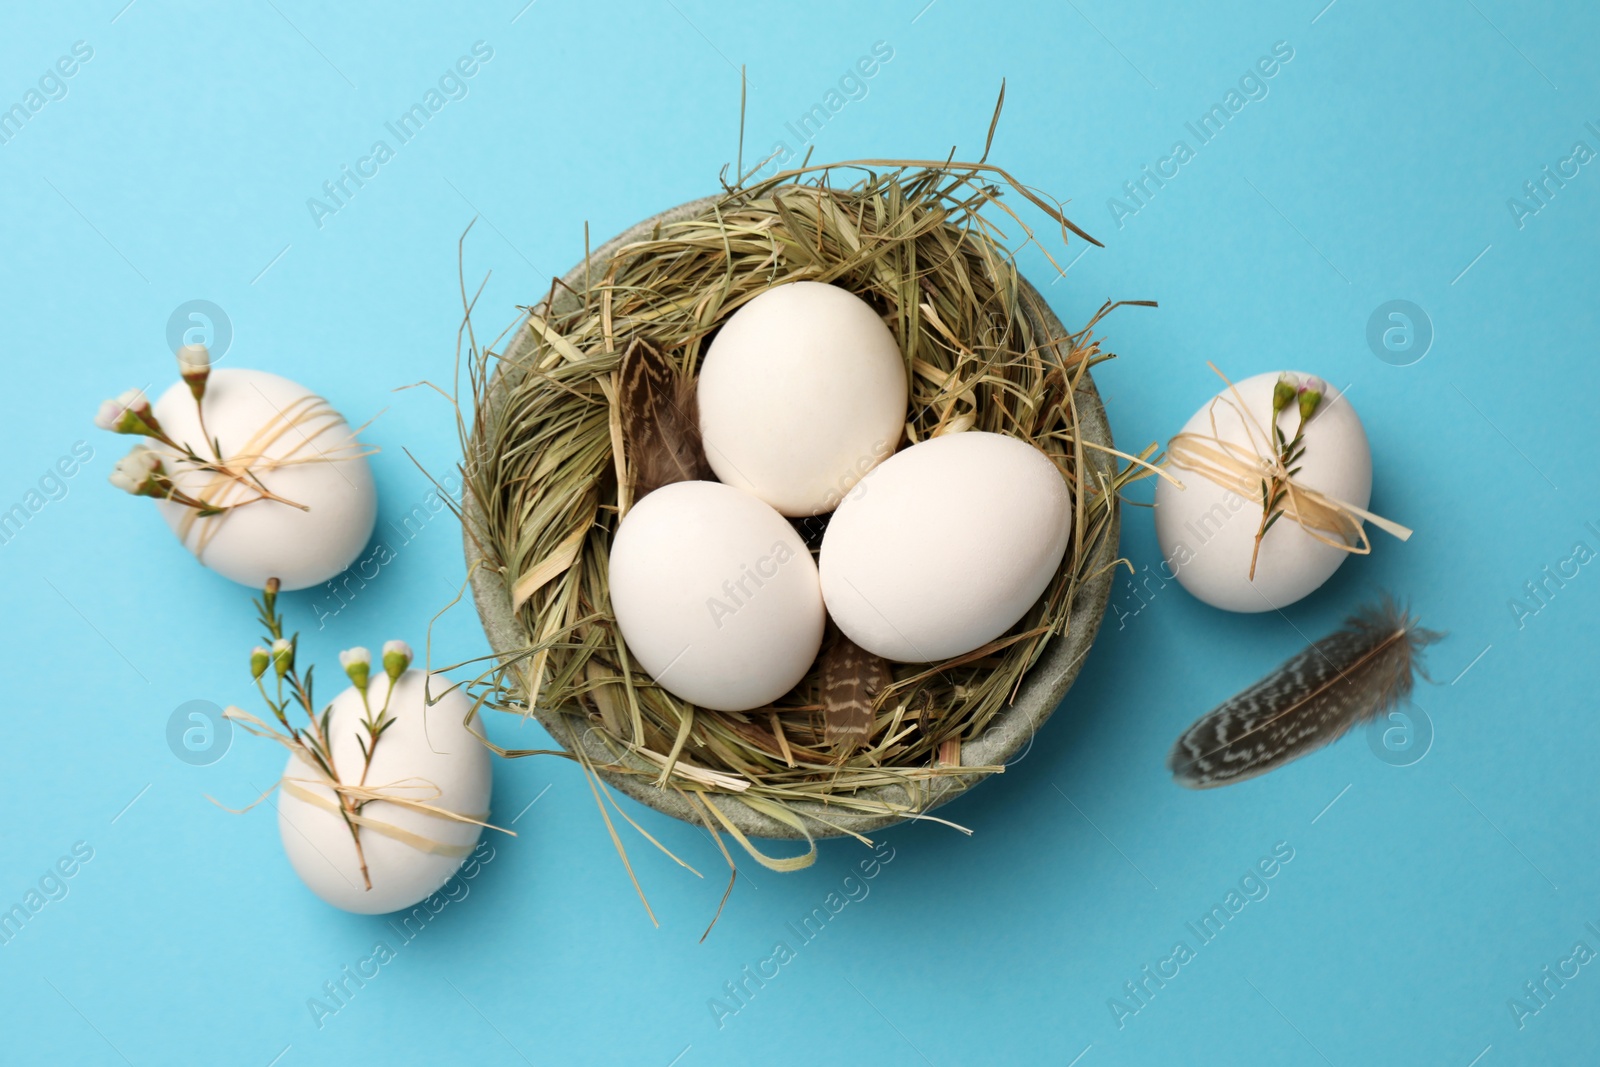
(660, 422)
(852, 677)
(1349, 677)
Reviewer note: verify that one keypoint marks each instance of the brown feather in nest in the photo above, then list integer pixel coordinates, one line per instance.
(1351, 676)
(852, 678)
(660, 421)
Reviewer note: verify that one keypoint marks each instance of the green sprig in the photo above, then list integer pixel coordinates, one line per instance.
(1306, 397)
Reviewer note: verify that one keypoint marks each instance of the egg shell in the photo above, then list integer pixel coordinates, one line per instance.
(1207, 532)
(801, 393)
(943, 547)
(716, 595)
(268, 539)
(431, 744)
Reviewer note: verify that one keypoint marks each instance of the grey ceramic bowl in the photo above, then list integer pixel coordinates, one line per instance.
(1008, 733)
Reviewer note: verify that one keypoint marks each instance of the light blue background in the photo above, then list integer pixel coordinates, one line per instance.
(1379, 167)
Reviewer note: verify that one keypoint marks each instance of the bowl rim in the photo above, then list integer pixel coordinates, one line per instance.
(1012, 729)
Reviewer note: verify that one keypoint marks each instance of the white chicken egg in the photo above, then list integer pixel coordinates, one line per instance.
(250, 412)
(944, 546)
(426, 745)
(801, 393)
(716, 595)
(1207, 532)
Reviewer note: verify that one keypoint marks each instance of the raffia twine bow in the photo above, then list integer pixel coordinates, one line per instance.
(412, 794)
(309, 417)
(1253, 470)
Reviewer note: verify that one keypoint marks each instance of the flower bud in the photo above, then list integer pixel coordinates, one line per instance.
(396, 658)
(1282, 393)
(1310, 397)
(283, 656)
(194, 364)
(140, 473)
(259, 658)
(128, 412)
(357, 663)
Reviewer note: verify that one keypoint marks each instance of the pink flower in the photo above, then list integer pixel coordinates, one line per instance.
(128, 412)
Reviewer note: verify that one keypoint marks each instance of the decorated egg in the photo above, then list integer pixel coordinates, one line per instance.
(1207, 530)
(715, 595)
(802, 392)
(427, 755)
(945, 546)
(322, 503)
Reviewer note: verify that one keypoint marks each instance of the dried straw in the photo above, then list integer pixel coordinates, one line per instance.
(548, 473)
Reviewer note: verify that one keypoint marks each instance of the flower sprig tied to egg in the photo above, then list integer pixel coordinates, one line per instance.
(258, 476)
(1220, 532)
(1278, 481)
(385, 791)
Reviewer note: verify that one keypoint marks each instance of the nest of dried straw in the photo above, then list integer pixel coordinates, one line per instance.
(548, 478)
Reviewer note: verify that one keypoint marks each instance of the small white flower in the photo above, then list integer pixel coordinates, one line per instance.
(194, 366)
(120, 414)
(124, 481)
(194, 359)
(282, 656)
(135, 472)
(357, 663)
(397, 657)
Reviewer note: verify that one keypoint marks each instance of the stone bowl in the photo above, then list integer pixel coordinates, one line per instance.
(1009, 732)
